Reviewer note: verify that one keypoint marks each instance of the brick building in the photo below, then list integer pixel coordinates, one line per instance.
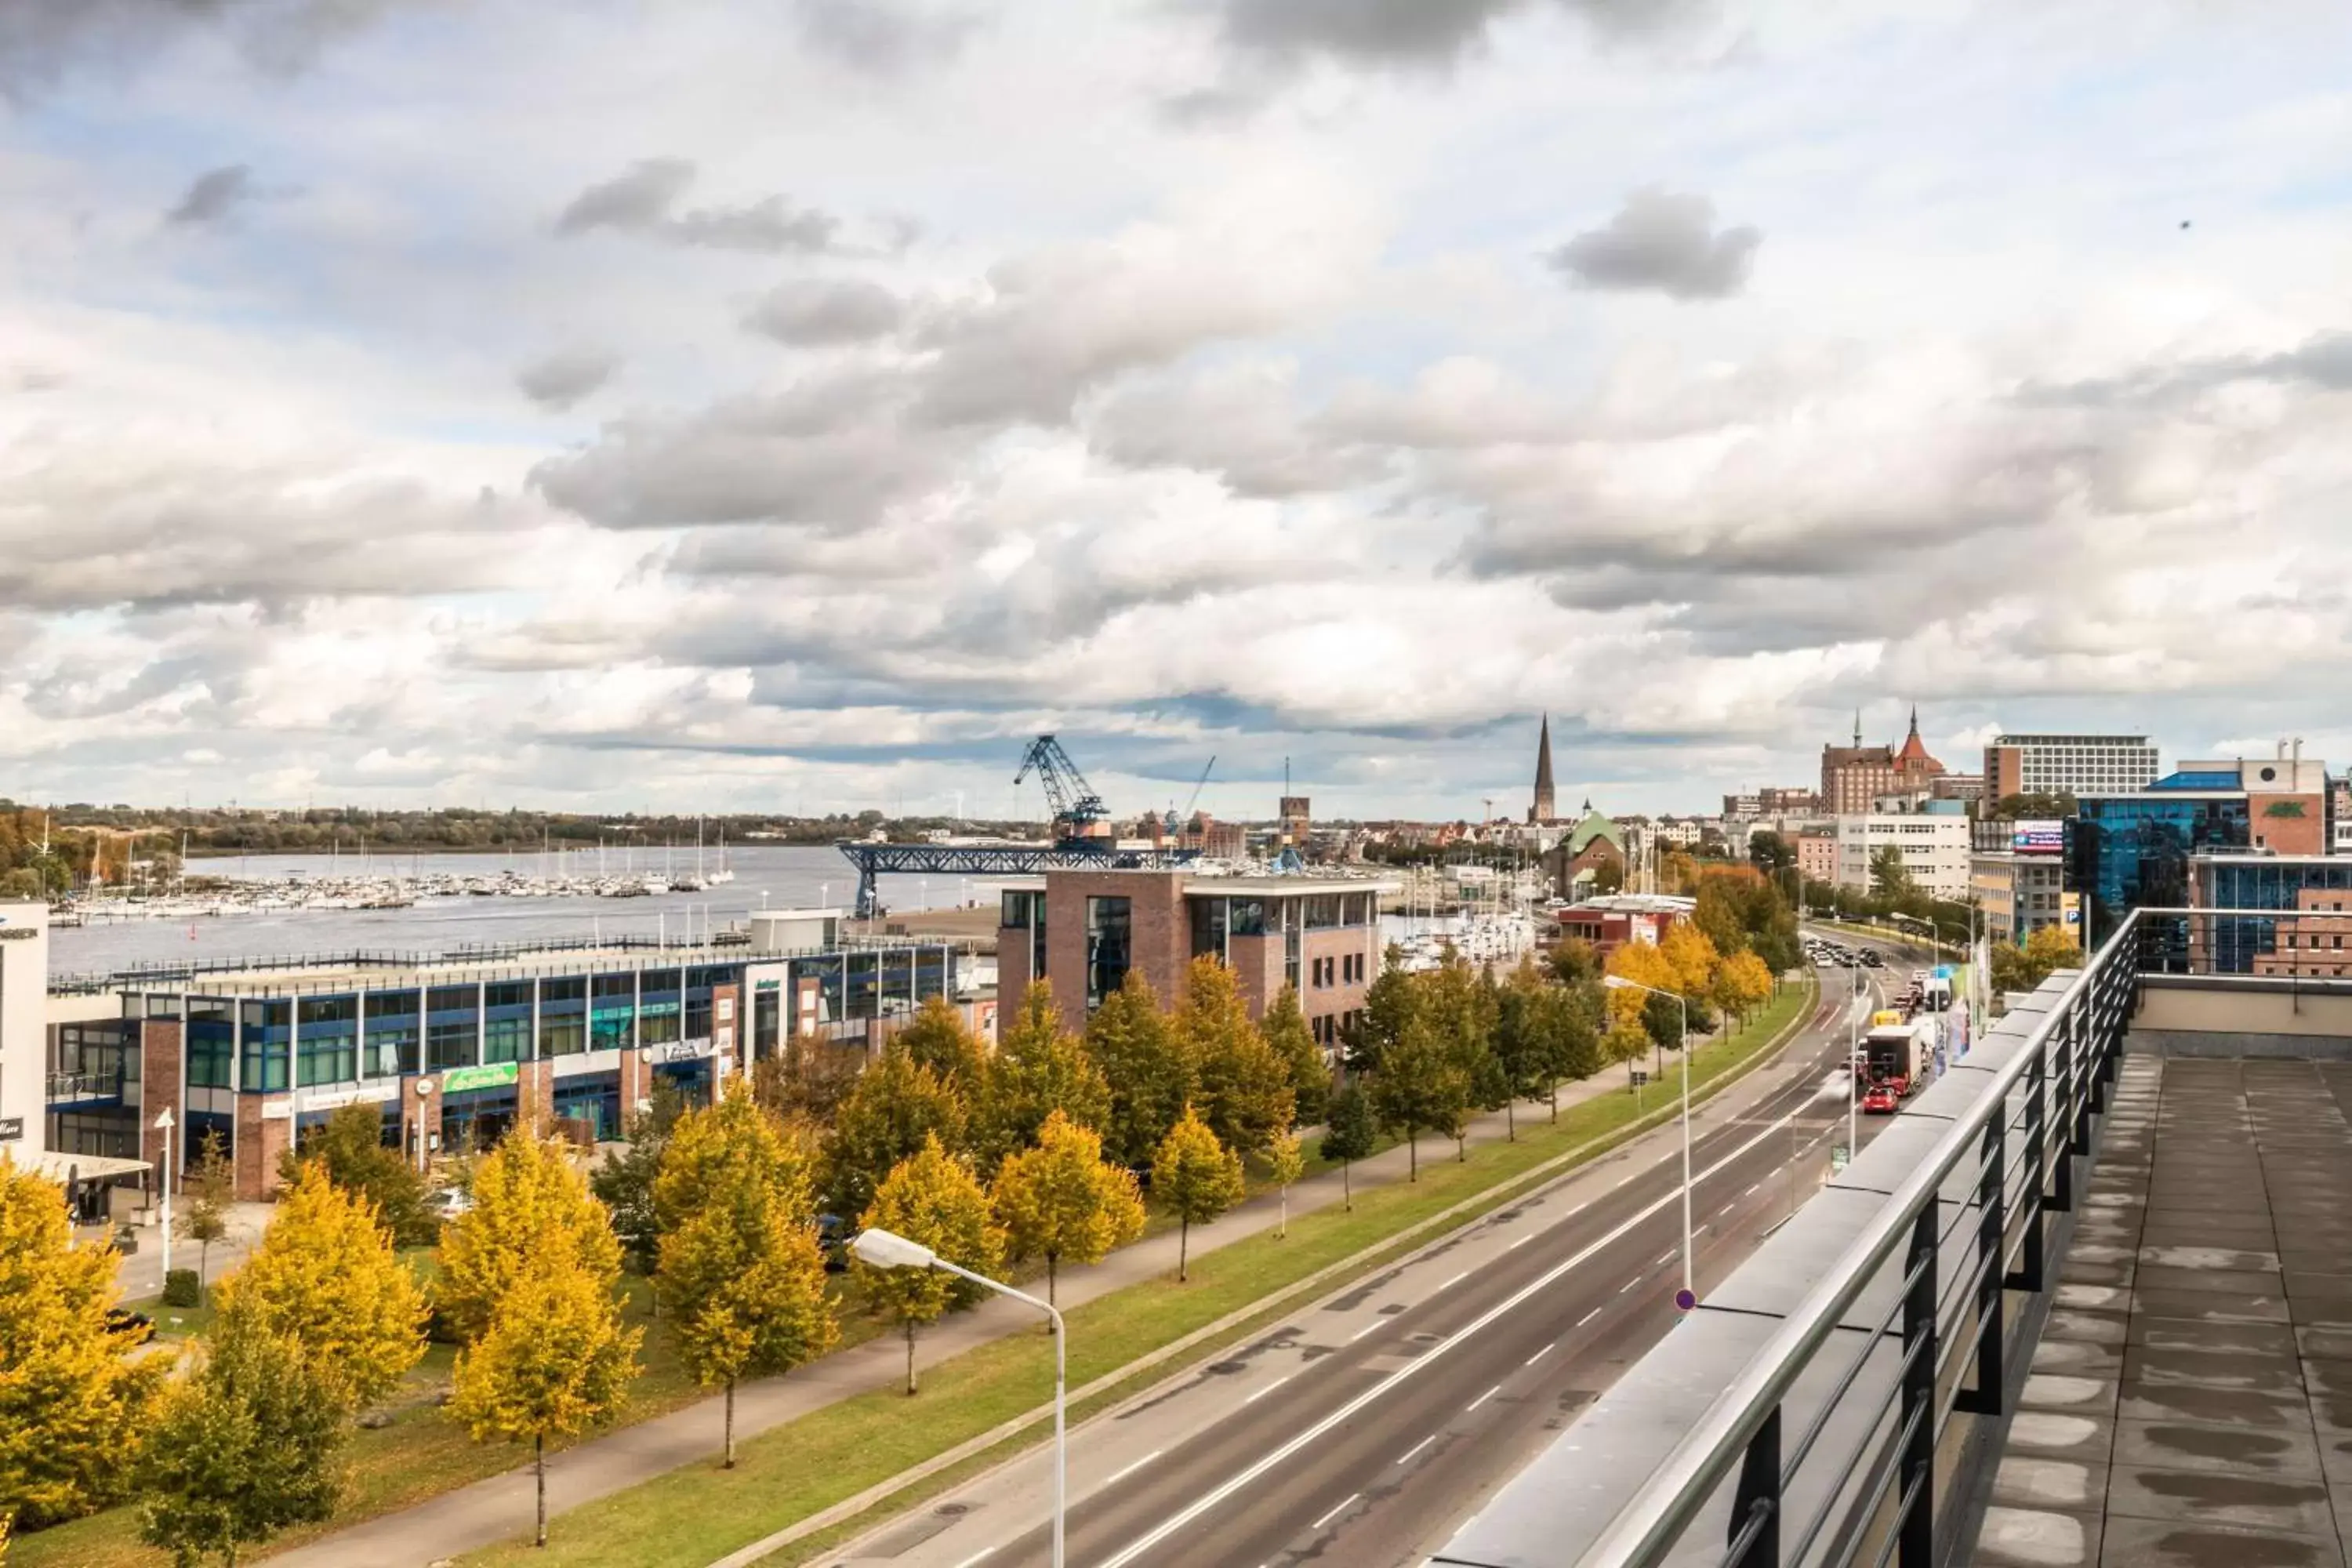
(1085, 930)
(1854, 776)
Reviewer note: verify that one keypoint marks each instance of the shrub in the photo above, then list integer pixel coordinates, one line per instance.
(180, 1289)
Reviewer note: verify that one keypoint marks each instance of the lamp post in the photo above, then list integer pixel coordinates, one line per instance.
(163, 1123)
(1619, 983)
(886, 1249)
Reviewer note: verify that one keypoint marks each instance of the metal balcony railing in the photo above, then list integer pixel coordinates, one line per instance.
(1825, 1440)
(71, 1088)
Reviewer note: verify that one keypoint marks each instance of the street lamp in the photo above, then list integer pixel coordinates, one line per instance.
(885, 1249)
(1619, 983)
(163, 1122)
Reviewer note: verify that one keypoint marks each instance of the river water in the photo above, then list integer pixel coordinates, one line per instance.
(780, 876)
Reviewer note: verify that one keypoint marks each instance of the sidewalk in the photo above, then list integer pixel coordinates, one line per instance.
(142, 1272)
(499, 1507)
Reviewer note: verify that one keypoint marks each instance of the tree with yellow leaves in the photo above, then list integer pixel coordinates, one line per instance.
(931, 1197)
(1194, 1177)
(1061, 1200)
(1285, 1161)
(741, 1275)
(325, 1277)
(553, 1359)
(1240, 1085)
(71, 1404)
(1741, 983)
(1040, 1068)
(530, 1201)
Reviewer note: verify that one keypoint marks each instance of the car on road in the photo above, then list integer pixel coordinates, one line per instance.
(1879, 1101)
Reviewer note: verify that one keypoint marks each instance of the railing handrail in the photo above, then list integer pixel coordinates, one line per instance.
(1672, 1498)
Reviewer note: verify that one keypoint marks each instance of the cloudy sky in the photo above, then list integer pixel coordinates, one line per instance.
(794, 406)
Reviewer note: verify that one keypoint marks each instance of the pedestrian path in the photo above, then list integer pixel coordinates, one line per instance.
(495, 1510)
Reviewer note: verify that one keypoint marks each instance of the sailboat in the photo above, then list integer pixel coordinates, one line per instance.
(723, 874)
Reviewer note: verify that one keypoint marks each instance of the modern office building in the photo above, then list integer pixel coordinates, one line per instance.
(2020, 893)
(2078, 765)
(1934, 845)
(1085, 930)
(454, 1049)
(2130, 851)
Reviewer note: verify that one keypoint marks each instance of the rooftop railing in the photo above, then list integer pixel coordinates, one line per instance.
(1821, 1448)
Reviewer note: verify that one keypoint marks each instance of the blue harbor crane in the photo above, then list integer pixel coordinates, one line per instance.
(1077, 809)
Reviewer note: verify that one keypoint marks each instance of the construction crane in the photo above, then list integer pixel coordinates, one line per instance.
(1077, 809)
(1199, 788)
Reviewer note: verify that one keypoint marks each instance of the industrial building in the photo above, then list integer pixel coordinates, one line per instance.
(1085, 930)
(454, 1049)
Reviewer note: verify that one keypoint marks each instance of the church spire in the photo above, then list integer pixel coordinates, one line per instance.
(1543, 810)
(1857, 729)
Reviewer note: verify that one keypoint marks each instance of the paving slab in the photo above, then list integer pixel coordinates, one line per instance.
(2190, 1445)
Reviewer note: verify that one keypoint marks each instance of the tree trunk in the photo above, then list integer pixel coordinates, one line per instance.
(1461, 1148)
(1413, 1155)
(1348, 1186)
(910, 1358)
(726, 1448)
(1051, 1262)
(1511, 1119)
(539, 1464)
(1183, 1245)
(1554, 1092)
(1282, 1231)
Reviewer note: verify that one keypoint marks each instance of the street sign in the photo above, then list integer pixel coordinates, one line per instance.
(1684, 1299)
(11, 1128)
(1840, 1158)
(1640, 1078)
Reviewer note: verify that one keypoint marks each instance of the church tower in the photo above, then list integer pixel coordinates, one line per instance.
(1543, 810)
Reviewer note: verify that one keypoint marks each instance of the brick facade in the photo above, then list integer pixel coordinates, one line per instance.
(260, 1141)
(160, 1077)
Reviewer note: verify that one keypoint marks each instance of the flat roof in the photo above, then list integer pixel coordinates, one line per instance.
(1198, 882)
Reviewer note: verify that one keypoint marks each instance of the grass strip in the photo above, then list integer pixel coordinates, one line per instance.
(997, 1395)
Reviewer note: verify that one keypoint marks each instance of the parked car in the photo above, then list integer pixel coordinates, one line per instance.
(122, 1320)
(833, 1235)
(449, 1203)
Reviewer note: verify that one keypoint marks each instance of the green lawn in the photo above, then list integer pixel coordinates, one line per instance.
(689, 1518)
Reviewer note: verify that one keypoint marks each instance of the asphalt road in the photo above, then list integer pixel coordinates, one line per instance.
(1364, 1432)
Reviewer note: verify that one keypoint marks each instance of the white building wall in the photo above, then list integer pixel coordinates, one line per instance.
(1935, 847)
(24, 1025)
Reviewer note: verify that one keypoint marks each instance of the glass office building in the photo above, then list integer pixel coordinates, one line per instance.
(2126, 852)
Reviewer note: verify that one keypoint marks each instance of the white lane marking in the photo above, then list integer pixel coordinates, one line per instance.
(1588, 1316)
(1336, 1512)
(1516, 1245)
(975, 1557)
(1417, 1448)
(1579, 1208)
(1133, 1469)
(1753, 1185)
(1217, 1494)
(1666, 1256)
(1455, 1281)
(1726, 1208)
(1368, 1328)
(1629, 1284)
(1482, 1399)
(1541, 1353)
(1269, 1388)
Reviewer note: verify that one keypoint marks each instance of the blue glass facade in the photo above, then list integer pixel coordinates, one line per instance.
(2259, 884)
(2123, 852)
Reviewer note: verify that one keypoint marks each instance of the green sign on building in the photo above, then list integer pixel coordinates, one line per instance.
(457, 1080)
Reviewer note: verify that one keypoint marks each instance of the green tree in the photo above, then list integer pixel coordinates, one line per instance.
(1040, 1068)
(349, 1149)
(1523, 1017)
(554, 1359)
(325, 1275)
(205, 1202)
(1420, 1088)
(937, 1038)
(1132, 1041)
(1347, 1134)
(1770, 851)
(931, 1197)
(740, 1274)
(896, 1104)
(1889, 878)
(1626, 1044)
(1574, 962)
(1460, 1004)
(1194, 1177)
(243, 1448)
(1569, 1037)
(1285, 1161)
(530, 1204)
(72, 1403)
(623, 1183)
(1060, 1199)
(1242, 1088)
(1287, 1035)
(1390, 1002)
(2034, 805)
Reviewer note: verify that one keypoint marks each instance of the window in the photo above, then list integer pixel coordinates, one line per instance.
(1109, 947)
(327, 1039)
(453, 1027)
(613, 1013)
(1208, 927)
(506, 1026)
(391, 1036)
(562, 1017)
(211, 1045)
(265, 1025)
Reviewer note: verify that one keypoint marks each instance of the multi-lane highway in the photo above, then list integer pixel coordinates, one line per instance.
(1368, 1427)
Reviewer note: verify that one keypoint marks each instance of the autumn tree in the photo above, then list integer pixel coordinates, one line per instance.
(1135, 1044)
(1240, 1088)
(1194, 1177)
(897, 1102)
(349, 1148)
(740, 1272)
(1460, 1004)
(1310, 1074)
(1285, 1161)
(1040, 1068)
(205, 1202)
(1060, 1200)
(72, 1403)
(553, 1359)
(1420, 1088)
(243, 1448)
(938, 1038)
(1348, 1136)
(1575, 961)
(1741, 984)
(1390, 1002)
(932, 1198)
(529, 1204)
(623, 1183)
(1626, 1043)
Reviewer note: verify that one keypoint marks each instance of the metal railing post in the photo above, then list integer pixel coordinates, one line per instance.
(1916, 1533)
(1756, 1503)
(2062, 1123)
(2028, 1273)
(1992, 1227)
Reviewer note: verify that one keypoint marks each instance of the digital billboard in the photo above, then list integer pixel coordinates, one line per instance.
(2038, 838)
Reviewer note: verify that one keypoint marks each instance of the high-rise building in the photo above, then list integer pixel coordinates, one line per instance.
(1544, 809)
(1853, 776)
(2071, 765)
